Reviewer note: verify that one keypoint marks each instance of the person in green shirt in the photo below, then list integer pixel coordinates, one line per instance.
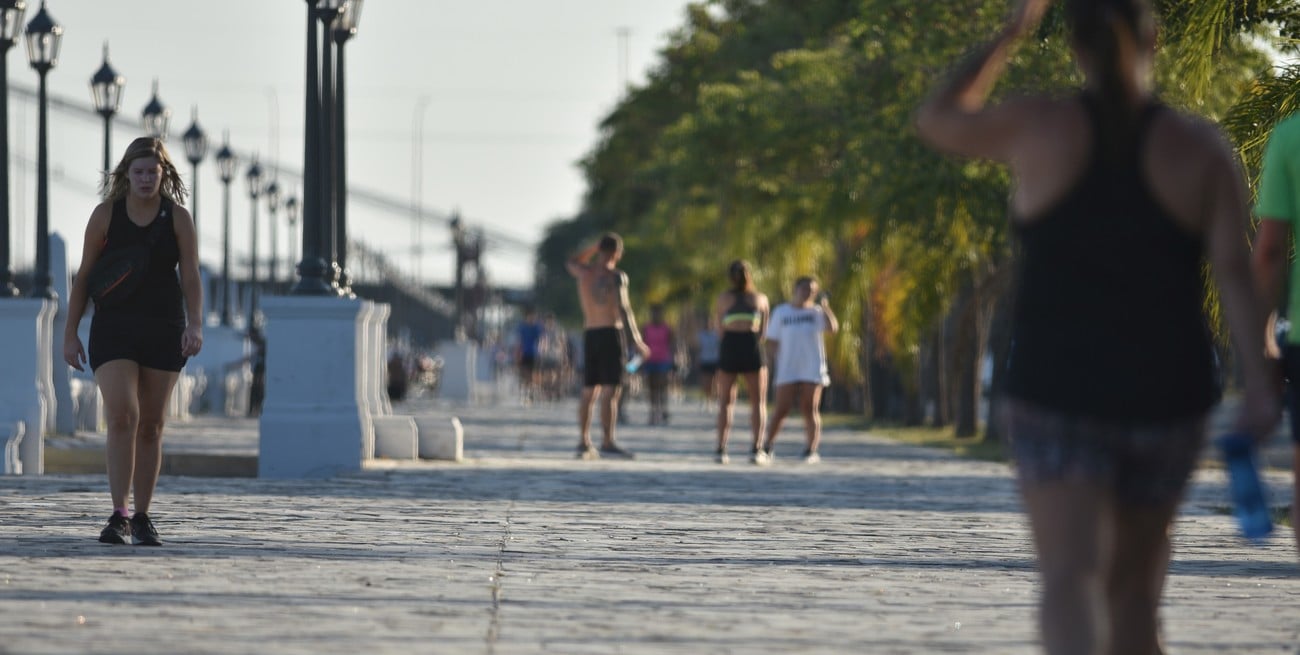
(1278, 210)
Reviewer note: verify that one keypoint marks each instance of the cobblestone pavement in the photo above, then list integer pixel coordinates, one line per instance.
(881, 548)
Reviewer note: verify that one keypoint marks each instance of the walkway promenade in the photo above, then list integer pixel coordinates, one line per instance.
(881, 548)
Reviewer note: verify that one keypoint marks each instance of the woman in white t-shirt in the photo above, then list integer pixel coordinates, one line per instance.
(796, 348)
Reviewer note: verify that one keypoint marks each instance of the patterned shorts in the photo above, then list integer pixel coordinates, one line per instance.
(1144, 464)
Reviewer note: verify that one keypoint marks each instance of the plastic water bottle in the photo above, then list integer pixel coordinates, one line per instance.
(1249, 496)
(634, 363)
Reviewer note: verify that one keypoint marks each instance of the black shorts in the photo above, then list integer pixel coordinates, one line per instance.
(740, 353)
(527, 364)
(150, 342)
(602, 356)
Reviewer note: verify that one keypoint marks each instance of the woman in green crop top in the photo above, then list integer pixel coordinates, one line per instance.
(741, 316)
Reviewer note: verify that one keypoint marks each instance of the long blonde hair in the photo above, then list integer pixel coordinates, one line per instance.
(115, 183)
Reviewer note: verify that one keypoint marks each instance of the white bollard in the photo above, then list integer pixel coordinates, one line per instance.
(12, 435)
(440, 438)
(395, 437)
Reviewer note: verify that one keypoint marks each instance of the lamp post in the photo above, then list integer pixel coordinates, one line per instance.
(328, 11)
(272, 204)
(11, 18)
(155, 116)
(345, 27)
(291, 216)
(196, 148)
(44, 37)
(226, 164)
(254, 177)
(106, 92)
(312, 268)
(459, 240)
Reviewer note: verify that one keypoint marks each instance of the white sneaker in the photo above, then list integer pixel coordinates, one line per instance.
(722, 457)
(811, 457)
(761, 458)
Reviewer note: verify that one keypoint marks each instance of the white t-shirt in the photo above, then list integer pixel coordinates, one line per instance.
(800, 350)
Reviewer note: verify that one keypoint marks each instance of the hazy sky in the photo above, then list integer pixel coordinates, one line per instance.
(511, 92)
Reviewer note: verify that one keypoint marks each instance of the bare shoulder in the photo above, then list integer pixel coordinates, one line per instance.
(179, 211)
(1188, 152)
(1175, 134)
(100, 217)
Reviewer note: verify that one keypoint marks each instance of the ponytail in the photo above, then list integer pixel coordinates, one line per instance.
(1110, 32)
(741, 281)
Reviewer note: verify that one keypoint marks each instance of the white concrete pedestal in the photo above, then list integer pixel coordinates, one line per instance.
(459, 362)
(63, 420)
(26, 385)
(313, 422)
(440, 437)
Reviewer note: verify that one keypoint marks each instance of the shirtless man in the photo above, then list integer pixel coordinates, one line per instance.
(606, 314)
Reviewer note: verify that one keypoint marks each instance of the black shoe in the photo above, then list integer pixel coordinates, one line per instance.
(117, 531)
(142, 531)
(614, 450)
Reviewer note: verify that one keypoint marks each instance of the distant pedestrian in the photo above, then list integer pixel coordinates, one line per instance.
(1112, 371)
(398, 376)
(606, 314)
(528, 335)
(795, 337)
(1278, 208)
(741, 314)
(658, 335)
(139, 345)
(708, 348)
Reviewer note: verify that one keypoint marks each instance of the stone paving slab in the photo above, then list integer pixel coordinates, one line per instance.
(882, 548)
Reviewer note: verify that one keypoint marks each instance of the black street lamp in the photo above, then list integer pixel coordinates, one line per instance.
(312, 269)
(226, 165)
(196, 148)
(44, 37)
(328, 11)
(11, 19)
(272, 204)
(345, 27)
(106, 91)
(155, 116)
(254, 177)
(291, 216)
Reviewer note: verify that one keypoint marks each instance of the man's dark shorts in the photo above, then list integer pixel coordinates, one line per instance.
(603, 357)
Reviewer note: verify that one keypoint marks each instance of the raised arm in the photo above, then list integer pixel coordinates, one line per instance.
(832, 324)
(1227, 222)
(579, 261)
(955, 117)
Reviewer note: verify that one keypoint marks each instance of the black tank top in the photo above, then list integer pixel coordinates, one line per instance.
(1109, 319)
(159, 294)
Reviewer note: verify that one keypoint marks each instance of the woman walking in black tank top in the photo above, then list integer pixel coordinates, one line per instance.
(1111, 374)
(139, 345)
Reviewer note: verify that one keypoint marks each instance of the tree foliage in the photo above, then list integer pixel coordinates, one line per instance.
(779, 131)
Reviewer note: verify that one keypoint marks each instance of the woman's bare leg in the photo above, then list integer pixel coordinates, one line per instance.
(155, 388)
(726, 387)
(756, 385)
(1073, 528)
(118, 382)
